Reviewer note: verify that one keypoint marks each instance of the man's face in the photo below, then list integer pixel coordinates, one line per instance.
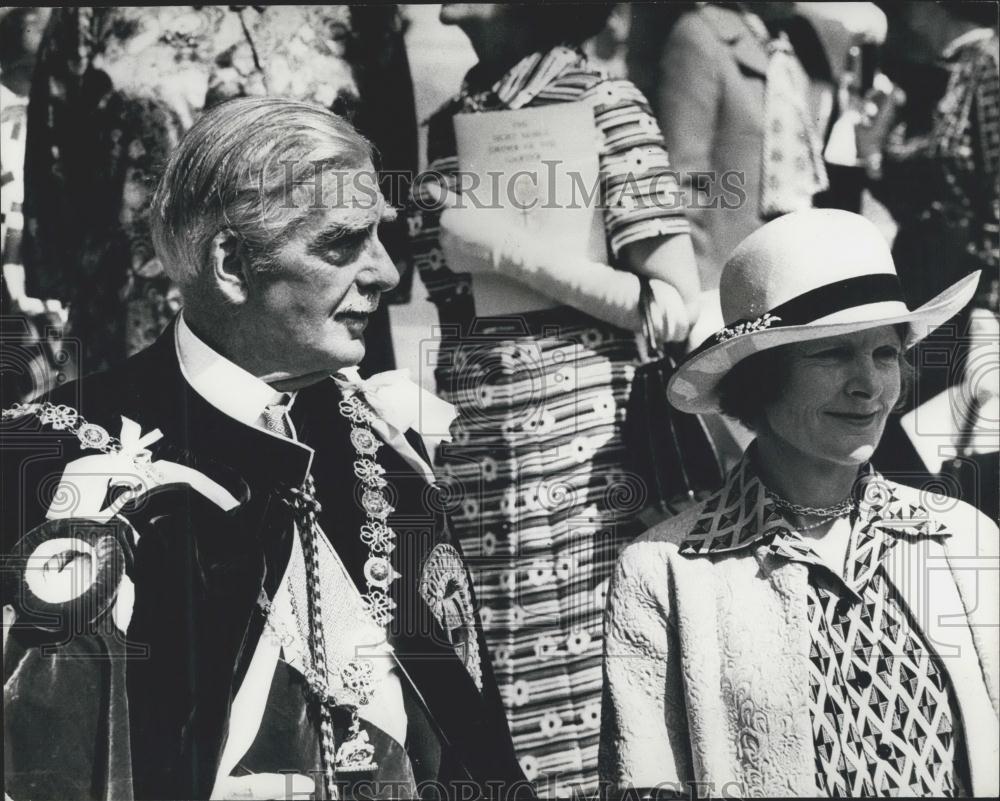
(307, 310)
(837, 396)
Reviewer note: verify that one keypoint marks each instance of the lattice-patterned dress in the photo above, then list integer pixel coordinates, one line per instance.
(539, 498)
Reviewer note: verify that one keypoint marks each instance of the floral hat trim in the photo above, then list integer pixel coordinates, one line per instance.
(813, 305)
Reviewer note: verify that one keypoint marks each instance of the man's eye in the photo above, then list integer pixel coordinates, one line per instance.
(888, 352)
(347, 247)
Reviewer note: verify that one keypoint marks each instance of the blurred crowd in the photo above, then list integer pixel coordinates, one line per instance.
(758, 109)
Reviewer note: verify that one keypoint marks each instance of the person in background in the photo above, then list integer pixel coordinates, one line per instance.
(651, 24)
(745, 98)
(813, 628)
(934, 161)
(744, 92)
(541, 380)
(115, 89)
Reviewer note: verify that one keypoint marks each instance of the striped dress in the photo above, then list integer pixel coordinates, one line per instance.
(534, 469)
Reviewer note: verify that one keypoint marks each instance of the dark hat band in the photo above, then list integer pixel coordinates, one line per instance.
(813, 305)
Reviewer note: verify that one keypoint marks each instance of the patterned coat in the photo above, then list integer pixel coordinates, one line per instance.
(542, 500)
(707, 658)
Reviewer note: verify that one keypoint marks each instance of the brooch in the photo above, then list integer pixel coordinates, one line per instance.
(762, 322)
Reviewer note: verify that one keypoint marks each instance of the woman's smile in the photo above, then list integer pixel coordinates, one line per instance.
(862, 420)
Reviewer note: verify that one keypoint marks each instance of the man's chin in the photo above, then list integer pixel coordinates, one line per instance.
(290, 383)
(293, 383)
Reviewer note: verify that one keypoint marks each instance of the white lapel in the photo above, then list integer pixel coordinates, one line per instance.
(787, 668)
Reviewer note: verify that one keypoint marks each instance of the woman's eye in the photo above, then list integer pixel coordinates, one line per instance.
(829, 353)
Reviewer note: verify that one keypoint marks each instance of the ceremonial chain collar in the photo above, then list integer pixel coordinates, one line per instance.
(356, 754)
(90, 435)
(375, 533)
(66, 418)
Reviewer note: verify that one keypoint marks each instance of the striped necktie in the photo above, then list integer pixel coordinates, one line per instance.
(275, 418)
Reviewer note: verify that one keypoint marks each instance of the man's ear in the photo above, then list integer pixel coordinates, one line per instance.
(229, 267)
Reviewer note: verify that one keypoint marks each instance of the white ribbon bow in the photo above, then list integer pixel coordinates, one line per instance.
(400, 404)
(400, 401)
(85, 481)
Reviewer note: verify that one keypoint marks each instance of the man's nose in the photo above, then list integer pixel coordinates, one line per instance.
(379, 272)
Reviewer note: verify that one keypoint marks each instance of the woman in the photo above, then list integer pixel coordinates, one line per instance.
(807, 630)
(539, 370)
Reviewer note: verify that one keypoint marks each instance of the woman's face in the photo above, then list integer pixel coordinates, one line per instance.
(837, 396)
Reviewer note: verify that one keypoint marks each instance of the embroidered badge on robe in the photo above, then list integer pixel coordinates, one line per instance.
(68, 572)
(74, 562)
(444, 586)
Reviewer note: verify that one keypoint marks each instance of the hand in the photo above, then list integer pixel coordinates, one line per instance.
(265, 786)
(671, 320)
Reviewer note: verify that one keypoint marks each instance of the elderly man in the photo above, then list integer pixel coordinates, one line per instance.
(225, 576)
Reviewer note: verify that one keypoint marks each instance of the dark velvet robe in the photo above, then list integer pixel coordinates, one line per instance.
(102, 716)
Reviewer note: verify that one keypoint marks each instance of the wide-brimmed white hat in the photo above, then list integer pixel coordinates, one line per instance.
(807, 275)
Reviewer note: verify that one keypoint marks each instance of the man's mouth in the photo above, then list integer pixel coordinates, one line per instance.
(354, 321)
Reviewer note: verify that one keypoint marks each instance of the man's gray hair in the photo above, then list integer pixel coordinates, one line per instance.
(252, 166)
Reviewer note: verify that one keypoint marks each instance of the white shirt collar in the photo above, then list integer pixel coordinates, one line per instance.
(224, 384)
(242, 396)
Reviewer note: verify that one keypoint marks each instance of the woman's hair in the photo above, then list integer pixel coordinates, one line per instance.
(759, 380)
(254, 166)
